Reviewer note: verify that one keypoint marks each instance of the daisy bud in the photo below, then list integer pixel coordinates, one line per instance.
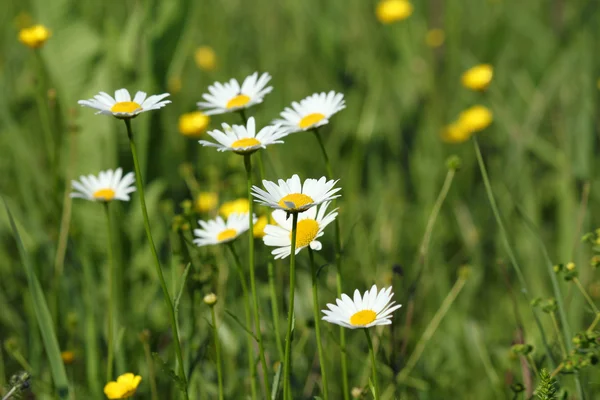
(210, 299)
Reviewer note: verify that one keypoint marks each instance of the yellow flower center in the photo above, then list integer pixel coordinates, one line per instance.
(238, 101)
(104, 194)
(363, 317)
(310, 119)
(226, 234)
(245, 142)
(125, 107)
(306, 232)
(298, 199)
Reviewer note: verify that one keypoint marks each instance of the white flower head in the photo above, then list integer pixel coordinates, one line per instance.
(107, 186)
(244, 139)
(217, 231)
(372, 309)
(311, 112)
(309, 228)
(122, 107)
(229, 96)
(293, 196)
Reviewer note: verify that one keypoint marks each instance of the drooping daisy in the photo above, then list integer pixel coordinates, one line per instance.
(372, 309)
(292, 196)
(122, 107)
(217, 231)
(107, 186)
(125, 386)
(311, 112)
(229, 96)
(310, 227)
(244, 139)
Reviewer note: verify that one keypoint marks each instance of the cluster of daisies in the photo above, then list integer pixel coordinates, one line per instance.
(308, 200)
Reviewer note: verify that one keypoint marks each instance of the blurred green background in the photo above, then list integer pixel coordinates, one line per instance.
(385, 148)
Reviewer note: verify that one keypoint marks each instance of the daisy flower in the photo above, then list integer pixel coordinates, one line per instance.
(244, 139)
(122, 107)
(217, 231)
(291, 196)
(310, 227)
(311, 112)
(125, 386)
(109, 185)
(229, 96)
(372, 309)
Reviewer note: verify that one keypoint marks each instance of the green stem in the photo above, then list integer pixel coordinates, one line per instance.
(338, 274)
(42, 103)
(243, 116)
(217, 351)
(594, 323)
(373, 364)
(261, 350)
(317, 317)
(288, 336)
(587, 296)
(275, 307)
(251, 365)
(111, 293)
(161, 278)
(151, 371)
(533, 367)
(563, 349)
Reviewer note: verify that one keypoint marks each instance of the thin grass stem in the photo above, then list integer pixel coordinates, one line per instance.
(217, 351)
(586, 295)
(317, 317)
(288, 336)
(373, 365)
(111, 296)
(563, 349)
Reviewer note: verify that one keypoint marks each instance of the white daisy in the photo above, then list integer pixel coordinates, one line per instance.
(370, 310)
(121, 106)
(109, 185)
(244, 139)
(216, 231)
(312, 112)
(310, 227)
(228, 96)
(292, 196)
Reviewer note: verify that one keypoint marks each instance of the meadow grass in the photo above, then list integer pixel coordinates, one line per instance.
(406, 219)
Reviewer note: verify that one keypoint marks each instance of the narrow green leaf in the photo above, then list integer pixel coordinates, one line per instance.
(43, 316)
(181, 288)
(236, 319)
(276, 382)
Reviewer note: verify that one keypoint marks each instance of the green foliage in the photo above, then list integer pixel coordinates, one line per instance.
(547, 387)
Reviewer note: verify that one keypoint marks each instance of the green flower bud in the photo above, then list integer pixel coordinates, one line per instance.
(453, 162)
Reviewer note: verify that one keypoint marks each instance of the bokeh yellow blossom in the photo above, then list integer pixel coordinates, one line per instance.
(206, 201)
(205, 58)
(235, 206)
(475, 119)
(478, 77)
(124, 387)
(193, 124)
(67, 357)
(260, 224)
(435, 37)
(35, 36)
(454, 133)
(389, 11)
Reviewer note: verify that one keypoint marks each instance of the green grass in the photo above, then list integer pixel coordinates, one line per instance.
(384, 147)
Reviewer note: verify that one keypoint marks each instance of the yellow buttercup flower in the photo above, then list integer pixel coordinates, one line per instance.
(124, 387)
(205, 58)
(260, 224)
(389, 11)
(35, 36)
(67, 357)
(478, 77)
(193, 124)
(206, 201)
(475, 119)
(240, 206)
(435, 37)
(454, 133)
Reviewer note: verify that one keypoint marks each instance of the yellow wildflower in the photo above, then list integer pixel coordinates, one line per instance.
(206, 201)
(68, 357)
(124, 387)
(435, 37)
(235, 206)
(475, 119)
(454, 133)
(193, 124)
(205, 58)
(35, 36)
(478, 77)
(389, 11)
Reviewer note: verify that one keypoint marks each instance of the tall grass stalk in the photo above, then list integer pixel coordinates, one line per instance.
(263, 362)
(373, 365)
(111, 296)
(288, 335)
(163, 284)
(338, 271)
(217, 350)
(317, 317)
(586, 295)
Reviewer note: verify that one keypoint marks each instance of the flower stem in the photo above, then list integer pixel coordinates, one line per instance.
(317, 315)
(111, 290)
(373, 364)
(263, 362)
(563, 349)
(251, 365)
(586, 295)
(161, 278)
(217, 351)
(338, 273)
(288, 336)
(594, 323)
(243, 116)
(275, 307)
